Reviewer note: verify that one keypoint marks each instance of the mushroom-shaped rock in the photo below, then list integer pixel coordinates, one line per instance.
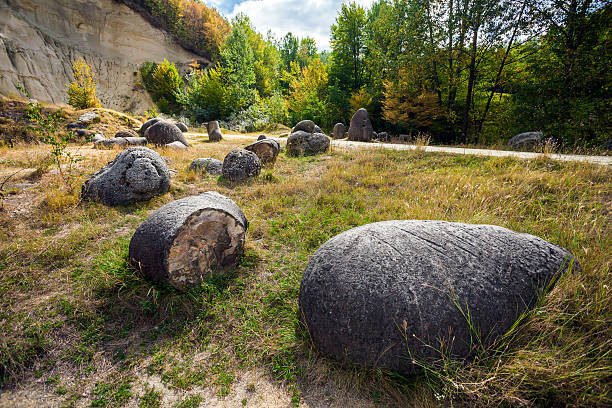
(181, 126)
(190, 240)
(214, 131)
(208, 165)
(266, 150)
(240, 164)
(307, 126)
(163, 133)
(304, 144)
(361, 127)
(136, 174)
(126, 133)
(386, 294)
(524, 140)
(147, 125)
(339, 131)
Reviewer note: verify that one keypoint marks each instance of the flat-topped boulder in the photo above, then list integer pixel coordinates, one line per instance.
(266, 149)
(190, 240)
(136, 174)
(386, 294)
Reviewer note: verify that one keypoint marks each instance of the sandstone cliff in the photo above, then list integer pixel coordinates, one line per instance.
(39, 39)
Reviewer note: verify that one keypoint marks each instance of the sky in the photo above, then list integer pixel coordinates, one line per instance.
(311, 18)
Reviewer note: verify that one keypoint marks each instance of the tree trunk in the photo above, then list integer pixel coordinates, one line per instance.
(468, 99)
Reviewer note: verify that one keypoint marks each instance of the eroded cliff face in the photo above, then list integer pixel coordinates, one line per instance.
(39, 39)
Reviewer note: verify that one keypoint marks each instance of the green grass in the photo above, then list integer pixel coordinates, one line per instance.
(64, 274)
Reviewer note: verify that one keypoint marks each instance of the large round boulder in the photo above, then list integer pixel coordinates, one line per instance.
(301, 143)
(391, 293)
(162, 133)
(147, 125)
(339, 131)
(136, 174)
(190, 240)
(207, 165)
(266, 149)
(307, 126)
(525, 140)
(182, 126)
(240, 165)
(126, 133)
(361, 128)
(214, 131)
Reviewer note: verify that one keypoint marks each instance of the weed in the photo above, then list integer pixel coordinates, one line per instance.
(150, 399)
(111, 394)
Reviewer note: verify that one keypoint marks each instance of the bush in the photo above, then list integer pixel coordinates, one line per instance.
(82, 91)
(163, 82)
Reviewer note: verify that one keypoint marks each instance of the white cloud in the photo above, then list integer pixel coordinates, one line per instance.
(303, 18)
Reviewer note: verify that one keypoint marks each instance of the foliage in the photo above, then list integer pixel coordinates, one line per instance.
(82, 91)
(360, 99)
(163, 82)
(308, 97)
(46, 126)
(195, 26)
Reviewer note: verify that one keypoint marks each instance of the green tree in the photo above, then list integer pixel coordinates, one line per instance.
(82, 91)
(164, 84)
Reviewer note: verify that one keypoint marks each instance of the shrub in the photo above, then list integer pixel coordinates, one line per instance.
(163, 82)
(82, 91)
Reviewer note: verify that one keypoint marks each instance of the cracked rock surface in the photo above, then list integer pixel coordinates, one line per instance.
(385, 293)
(301, 143)
(190, 240)
(136, 174)
(266, 149)
(241, 164)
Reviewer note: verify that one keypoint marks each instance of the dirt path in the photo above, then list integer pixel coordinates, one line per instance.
(349, 145)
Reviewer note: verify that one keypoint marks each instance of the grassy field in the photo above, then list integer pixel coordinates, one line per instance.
(79, 327)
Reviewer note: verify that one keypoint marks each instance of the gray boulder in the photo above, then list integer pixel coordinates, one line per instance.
(176, 145)
(126, 133)
(307, 126)
(266, 149)
(385, 294)
(305, 144)
(214, 131)
(261, 137)
(136, 174)
(97, 138)
(190, 240)
(136, 141)
(207, 165)
(524, 140)
(609, 145)
(163, 133)
(76, 125)
(241, 164)
(361, 128)
(181, 126)
(110, 143)
(147, 125)
(89, 117)
(339, 131)
(384, 137)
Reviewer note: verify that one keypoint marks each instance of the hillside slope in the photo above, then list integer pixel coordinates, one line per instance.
(40, 39)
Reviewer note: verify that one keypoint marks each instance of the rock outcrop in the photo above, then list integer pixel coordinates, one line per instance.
(40, 39)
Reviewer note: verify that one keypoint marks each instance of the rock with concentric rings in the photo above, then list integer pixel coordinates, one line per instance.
(190, 240)
(391, 293)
